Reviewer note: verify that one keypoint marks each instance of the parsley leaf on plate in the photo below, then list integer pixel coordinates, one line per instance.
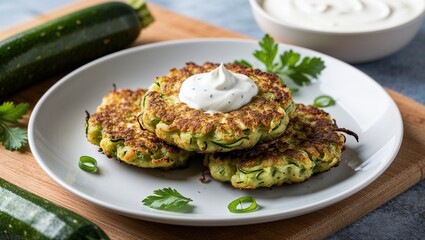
(289, 66)
(166, 199)
(13, 138)
(268, 53)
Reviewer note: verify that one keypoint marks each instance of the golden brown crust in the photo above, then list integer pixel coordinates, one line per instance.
(321, 131)
(115, 128)
(114, 117)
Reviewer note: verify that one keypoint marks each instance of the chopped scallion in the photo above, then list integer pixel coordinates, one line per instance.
(88, 164)
(323, 101)
(236, 205)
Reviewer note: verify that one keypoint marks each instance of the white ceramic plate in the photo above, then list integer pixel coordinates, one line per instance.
(57, 137)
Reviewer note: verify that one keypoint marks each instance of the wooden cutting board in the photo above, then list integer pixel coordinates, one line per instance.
(407, 169)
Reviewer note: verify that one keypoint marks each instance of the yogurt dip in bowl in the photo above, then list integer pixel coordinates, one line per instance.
(352, 30)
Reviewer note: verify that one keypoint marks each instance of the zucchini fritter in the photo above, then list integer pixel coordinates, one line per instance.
(312, 143)
(115, 128)
(263, 119)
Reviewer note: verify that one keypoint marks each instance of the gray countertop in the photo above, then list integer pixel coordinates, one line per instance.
(401, 218)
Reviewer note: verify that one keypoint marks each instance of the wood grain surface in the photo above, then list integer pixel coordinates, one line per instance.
(407, 169)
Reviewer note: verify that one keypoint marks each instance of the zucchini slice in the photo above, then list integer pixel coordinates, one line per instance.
(236, 143)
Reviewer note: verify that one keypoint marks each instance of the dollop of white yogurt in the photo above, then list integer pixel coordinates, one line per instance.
(217, 91)
(344, 15)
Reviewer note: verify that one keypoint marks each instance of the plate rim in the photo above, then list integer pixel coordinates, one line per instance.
(156, 216)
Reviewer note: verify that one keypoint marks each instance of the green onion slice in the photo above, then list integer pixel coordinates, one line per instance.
(233, 206)
(88, 164)
(323, 101)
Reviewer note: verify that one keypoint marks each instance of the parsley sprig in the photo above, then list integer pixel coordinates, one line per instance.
(166, 199)
(12, 137)
(289, 66)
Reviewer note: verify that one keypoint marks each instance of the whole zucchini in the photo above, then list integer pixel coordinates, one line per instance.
(24, 215)
(69, 42)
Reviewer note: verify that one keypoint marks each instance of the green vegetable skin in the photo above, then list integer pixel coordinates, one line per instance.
(69, 42)
(24, 215)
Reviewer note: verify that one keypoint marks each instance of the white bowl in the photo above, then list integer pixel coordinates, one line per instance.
(353, 47)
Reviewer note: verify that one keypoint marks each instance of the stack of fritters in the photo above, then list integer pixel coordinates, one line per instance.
(310, 145)
(268, 142)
